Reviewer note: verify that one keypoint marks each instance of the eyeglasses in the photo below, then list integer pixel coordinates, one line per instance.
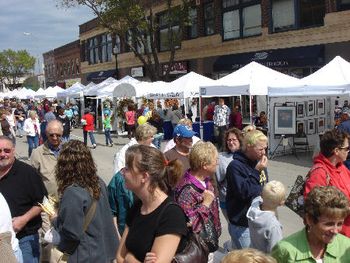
(55, 134)
(6, 150)
(346, 148)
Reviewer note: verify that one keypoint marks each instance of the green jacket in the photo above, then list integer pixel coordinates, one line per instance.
(295, 248)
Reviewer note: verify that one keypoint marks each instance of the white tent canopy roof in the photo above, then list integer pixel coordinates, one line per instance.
(252, 79)
(92, 91)
(331, 79)
(139, 89)
(189, 84)
(108, 90)
(73, 91)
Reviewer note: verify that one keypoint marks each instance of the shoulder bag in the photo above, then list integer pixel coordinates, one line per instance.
(87, 220)
(295, 199)
(195, 251)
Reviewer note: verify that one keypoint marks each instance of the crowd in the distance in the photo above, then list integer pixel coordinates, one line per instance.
(161, 206)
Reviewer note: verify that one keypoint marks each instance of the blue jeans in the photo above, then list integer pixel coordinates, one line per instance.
(18, 255)
(20, 128)
(108, 136)
(91, 135)
(240, 236)
(33, 142)
(30, 248)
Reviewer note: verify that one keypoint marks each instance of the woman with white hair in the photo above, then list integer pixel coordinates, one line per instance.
(32, 128)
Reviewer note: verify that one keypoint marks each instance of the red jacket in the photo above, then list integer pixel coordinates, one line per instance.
(89, 122)
(339, 176)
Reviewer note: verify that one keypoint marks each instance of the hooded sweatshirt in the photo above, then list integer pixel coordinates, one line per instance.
(324, 173)
(265, 230)
(244, 183)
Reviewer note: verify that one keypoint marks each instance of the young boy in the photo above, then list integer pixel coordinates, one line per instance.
(264, 227)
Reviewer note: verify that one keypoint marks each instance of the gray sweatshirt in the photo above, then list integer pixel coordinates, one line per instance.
(265, 230)
(224, 160)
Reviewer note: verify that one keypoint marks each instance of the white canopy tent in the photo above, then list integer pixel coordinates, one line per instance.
(72, 92)
(107, 91)
(92, 91)
(331, 79)
(26, 94)
(40, 93)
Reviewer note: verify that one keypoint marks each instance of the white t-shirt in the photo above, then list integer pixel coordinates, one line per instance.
(171, 144)
(6, 222)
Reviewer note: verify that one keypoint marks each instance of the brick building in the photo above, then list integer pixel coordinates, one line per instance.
(294, 36)
(62, 65)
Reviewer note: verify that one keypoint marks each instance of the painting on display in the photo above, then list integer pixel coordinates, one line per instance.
(311, 126)
(321, 125)
(310, 108)
(301, 131)
(320, 107)
(285, 120)
(300, 109)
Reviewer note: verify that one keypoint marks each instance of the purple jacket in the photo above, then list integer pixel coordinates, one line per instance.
(191, 201)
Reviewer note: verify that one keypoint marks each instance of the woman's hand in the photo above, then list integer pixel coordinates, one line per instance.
(262, 164)
(208, 198)
(150, 258)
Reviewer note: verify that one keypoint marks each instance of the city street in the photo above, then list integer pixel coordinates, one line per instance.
(284, 169)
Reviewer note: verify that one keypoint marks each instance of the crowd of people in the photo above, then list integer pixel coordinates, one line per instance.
(55, 208)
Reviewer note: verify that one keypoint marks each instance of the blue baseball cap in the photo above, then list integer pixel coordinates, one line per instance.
(183, 131)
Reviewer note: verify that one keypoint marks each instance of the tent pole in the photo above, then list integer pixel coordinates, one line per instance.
(251, 109)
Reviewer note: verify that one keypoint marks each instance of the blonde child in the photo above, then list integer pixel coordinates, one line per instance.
(264, 227)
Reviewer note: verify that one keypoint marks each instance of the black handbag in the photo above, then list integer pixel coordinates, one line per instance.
(210, 235)
(196, 251)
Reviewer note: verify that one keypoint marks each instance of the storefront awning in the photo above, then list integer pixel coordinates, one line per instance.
(99, 76)
(277, 58)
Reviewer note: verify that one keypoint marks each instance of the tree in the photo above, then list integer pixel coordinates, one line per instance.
(32, 83)
(135, 20)
(15, 64)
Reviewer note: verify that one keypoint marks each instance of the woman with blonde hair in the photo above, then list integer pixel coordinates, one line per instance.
(82, 191)
(196, 195)
(155, 228)
(246, 175)
(32, 127)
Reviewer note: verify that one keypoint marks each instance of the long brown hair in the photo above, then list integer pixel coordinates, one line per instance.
(75, 165)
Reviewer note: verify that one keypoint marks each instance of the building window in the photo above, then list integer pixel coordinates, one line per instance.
(106, 48)
(193, 19)
(209, 19)
(241, 18)
(343, 5)
(164, 33)
(296, 14)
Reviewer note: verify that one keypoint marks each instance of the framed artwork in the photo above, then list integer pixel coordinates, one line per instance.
(300, 109)
(301, 128)
(320, 107)
(311, 126)
(285, 120)
(321, 124)
(310, 108)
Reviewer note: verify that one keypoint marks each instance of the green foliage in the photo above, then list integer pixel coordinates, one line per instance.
(136, 18)
(32, 83)
(15, 64)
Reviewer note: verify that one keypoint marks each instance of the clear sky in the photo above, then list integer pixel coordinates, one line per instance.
(39, 26)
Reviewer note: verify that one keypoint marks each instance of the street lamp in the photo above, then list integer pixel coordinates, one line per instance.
(115, 52)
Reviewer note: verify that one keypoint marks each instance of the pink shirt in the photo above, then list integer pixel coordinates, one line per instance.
(130, 117)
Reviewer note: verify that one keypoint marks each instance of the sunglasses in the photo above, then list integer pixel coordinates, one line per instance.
(6, 150)
(55, 134)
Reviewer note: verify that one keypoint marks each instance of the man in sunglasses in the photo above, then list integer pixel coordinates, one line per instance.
(44, 159)
(22, 188)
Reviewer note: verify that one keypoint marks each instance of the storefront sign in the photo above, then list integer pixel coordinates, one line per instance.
(167, 95)
(136, 72)
(176, 68)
